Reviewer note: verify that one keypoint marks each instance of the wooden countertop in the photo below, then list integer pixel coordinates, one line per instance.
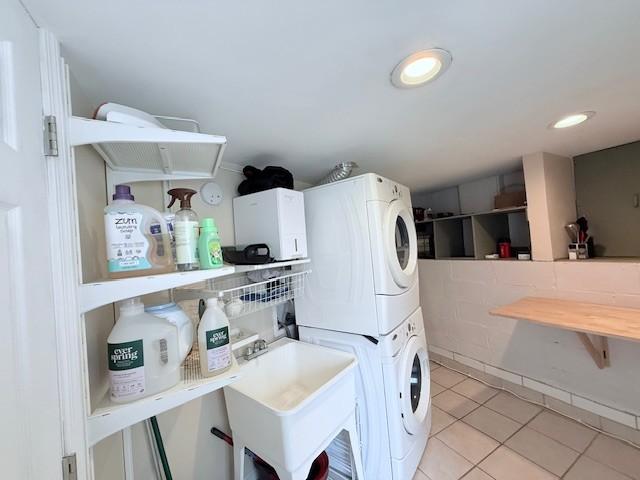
(604, 320)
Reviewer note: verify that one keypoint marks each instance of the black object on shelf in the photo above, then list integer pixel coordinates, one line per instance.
(256, 254)
(266, 179)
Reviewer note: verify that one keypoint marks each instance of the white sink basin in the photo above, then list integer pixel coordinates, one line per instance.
(289, 403)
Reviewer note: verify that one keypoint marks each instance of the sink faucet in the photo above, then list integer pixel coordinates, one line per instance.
(259, 347)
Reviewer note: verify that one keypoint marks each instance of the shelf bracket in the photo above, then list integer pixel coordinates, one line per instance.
(599, 350)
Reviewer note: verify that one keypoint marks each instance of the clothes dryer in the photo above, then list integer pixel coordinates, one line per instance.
(364, 257)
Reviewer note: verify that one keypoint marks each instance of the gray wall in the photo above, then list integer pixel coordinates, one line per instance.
(606, 182)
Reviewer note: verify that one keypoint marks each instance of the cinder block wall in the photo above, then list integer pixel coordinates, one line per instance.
(456, 296)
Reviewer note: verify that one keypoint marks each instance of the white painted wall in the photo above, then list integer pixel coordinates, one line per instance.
(456, 297)
(446, 200)
(470, 197)
(478, 196)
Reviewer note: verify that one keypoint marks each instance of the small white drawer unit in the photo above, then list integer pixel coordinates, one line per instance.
(274, 217)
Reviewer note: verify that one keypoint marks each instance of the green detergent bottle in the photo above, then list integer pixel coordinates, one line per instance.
(209, 244)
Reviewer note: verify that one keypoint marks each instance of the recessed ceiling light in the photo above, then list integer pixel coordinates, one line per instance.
(572, 120)
(420, 68)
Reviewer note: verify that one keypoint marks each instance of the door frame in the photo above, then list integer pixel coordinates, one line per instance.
(64, 238)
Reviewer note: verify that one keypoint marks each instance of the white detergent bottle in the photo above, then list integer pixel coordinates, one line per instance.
(213, 340)
(138, 241)
(143, 354)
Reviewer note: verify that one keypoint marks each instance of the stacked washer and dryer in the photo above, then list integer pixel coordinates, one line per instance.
(362, 296)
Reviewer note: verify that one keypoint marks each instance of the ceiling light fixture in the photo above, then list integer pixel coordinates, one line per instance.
(420, 68)
(572, 120)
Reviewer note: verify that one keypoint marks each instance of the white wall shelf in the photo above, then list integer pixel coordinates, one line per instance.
(98, 294)
(110, 418)
(94, 295)
(135, 153)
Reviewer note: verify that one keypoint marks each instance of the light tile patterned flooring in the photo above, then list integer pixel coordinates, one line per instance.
(480, 433)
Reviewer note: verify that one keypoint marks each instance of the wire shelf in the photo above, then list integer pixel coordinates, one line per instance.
(242, 295)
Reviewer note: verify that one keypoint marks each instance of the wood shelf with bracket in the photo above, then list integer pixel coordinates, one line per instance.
(601, 321)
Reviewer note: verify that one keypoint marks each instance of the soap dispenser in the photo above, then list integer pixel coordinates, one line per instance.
(185, 230)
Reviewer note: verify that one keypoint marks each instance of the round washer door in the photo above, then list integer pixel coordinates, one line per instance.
(414, 385)
(401, 244)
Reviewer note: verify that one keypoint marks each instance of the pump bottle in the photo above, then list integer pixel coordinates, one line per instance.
(185, 229)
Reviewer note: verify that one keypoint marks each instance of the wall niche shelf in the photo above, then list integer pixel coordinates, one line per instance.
(601, 321)
(134, 153)
(472, 236)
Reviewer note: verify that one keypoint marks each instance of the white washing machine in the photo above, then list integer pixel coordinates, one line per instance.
(364, 258)
(393, 398)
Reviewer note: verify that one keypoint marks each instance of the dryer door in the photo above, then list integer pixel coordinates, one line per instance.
(401, 247)
(414, 385)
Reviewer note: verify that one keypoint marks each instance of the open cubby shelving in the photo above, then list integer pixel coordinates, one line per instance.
(474, 235)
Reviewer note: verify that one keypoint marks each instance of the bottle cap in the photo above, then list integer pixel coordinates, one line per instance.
(214, 302)
(123, 192)
(208, 224)
(182, 194)
(131, 306)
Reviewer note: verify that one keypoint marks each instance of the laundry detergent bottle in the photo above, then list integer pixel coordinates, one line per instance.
(138, 241)
(209, 247)
(185, 229)
(143, 355)
(213, 340)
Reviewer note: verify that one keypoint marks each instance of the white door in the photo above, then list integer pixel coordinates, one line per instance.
(30, 425)
(401, 243)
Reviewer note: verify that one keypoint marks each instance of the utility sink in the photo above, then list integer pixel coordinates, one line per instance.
(289, 403)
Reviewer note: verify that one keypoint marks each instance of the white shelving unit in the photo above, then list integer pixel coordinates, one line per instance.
(108, 417)
(132, 154)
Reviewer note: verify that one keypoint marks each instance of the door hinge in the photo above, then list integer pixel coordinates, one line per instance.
(69, 469)
(50, 136)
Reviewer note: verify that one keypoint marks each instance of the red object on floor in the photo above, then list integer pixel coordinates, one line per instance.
(319, 467)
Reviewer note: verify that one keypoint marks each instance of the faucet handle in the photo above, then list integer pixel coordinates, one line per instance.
(260, 345)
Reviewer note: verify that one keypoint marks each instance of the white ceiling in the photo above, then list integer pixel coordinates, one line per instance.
(306, 85)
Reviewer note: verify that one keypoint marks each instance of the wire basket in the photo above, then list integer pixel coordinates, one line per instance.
(242, 296)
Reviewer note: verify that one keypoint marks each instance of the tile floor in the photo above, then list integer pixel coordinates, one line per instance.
(480, 433)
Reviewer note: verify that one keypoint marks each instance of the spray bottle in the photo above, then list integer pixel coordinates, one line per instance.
(186, 230)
